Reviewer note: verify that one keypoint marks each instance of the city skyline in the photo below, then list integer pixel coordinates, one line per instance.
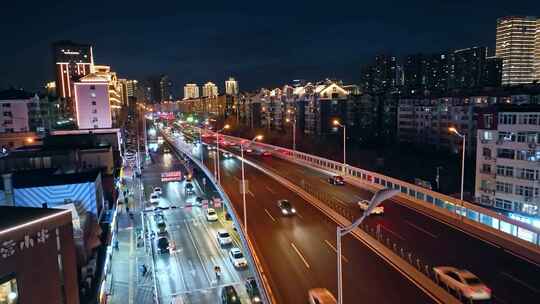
(275, 51)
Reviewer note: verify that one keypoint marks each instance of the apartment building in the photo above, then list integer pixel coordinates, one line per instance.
(508, 158)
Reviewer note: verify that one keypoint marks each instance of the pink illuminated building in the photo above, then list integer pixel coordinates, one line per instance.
(92, 105)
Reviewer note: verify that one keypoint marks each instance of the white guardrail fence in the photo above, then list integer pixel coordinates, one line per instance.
(523, 233)
(260, 275)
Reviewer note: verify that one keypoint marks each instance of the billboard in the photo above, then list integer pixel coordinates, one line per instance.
(173, 176)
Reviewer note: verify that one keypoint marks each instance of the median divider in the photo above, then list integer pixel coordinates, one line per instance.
(260, 274)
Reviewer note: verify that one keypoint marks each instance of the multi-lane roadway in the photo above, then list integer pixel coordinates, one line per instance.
(511, 278)
(298, 252)
(188, 270)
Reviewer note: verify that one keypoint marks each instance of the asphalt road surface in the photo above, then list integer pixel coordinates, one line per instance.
(298, 252)
(188, 270)
(511, 278)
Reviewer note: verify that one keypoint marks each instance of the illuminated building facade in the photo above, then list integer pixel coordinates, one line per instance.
(209, 89)
(191, 90)
(72, 61)
(231, 86)
(19, 111)
(38, 261)
(92, 105)
(517, 44)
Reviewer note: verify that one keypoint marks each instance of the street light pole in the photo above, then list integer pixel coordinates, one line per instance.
(376, 200)
(259, 137)
(455, 131)
(216, 172)
(336, 123)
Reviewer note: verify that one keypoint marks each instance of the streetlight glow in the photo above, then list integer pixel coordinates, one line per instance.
(227, 126)
(336, 122)
(259, 137)
(452, 129)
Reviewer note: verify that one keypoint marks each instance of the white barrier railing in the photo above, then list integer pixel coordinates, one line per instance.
(416, 194)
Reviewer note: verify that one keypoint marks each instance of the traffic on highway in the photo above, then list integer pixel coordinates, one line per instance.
(499, 275)
(197, 251)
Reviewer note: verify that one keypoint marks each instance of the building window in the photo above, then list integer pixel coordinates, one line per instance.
(505, 171)
(94, 111)
(503, 187)
(486, 152)
(486, 168)
(487, 135)
(8, 114)
(488, 121)
(92, 87)
(93, 94)
(9, 293)
(505, 153)
(6, 105)
(94, 119)
(93, 102)
(96, 126)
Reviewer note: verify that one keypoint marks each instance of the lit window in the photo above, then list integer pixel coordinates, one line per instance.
(8, 291)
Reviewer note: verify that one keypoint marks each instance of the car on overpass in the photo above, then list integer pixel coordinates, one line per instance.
(321, 296)
(336, 180)
(229, 295)
(253, 290)
(157, 190)
(237, 258)
(227, 155)
(286, 207)
(463, 282)
(364, 204)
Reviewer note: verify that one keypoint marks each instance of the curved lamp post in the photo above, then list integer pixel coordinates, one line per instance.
(376, 200)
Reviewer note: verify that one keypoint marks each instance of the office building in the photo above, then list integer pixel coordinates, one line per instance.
(517, 46)
(19, 111)
(72, 61)
(209, 89)
(191, 90)
(231, 86)
(92, 105)
(507, 172)
(38, 259)
(165, 87)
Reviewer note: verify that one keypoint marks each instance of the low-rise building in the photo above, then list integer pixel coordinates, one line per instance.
(92, 102)
(19, 111)
(37, 261)
(508, 158)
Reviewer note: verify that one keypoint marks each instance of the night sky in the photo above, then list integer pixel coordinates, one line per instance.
(260, 43)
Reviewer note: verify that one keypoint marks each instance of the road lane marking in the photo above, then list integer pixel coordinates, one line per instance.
(335, 250)
(300, 255)
(198, 254)
(422, 229)
(522, 283)
(522, 258)
(392, 232)
(270, 190)
(266, 210)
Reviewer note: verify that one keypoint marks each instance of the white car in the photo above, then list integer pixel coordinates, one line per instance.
(154, 198)
(364, 204)
(227, 155)
(157, 190)
(211, 215)
(223, 237)
(463, 282)
(237, 258)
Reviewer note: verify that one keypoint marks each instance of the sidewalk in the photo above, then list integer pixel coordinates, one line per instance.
(128, 284)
